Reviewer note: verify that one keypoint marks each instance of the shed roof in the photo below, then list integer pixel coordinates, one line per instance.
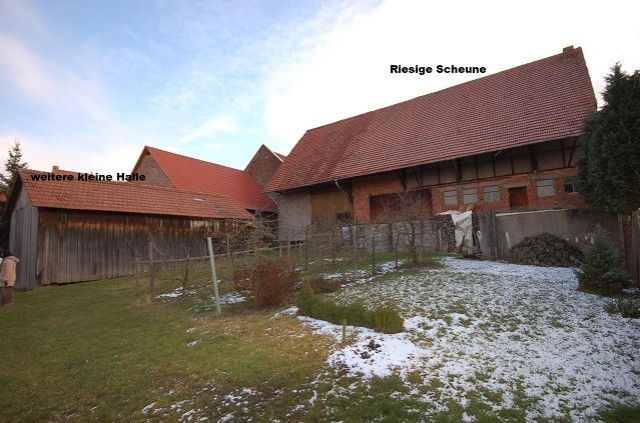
(538, 101)
(190, 174)
(127, 197)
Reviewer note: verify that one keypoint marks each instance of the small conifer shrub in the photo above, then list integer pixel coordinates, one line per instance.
(600, 271)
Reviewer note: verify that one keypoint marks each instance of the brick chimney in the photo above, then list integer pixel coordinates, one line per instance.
(568, 51)
(55, 168)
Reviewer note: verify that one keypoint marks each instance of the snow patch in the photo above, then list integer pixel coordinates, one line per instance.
(480, 327)
(231, 298)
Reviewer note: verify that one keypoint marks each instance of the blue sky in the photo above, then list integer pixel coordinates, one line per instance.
(86, 84)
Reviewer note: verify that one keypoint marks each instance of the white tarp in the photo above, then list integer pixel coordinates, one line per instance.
(463, 228)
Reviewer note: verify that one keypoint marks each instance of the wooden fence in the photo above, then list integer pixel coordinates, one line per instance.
(187, 269)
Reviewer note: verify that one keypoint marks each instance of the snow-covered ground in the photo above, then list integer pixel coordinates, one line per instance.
(500, 333)
(365, 275)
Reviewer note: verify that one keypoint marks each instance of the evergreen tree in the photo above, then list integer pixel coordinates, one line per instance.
(609, 173)
(11, 166)
(600, 270)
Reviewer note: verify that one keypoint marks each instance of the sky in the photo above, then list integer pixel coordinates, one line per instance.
(85, 85)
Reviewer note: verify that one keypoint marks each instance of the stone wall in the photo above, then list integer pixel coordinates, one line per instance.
(294, 216)
(433, 234)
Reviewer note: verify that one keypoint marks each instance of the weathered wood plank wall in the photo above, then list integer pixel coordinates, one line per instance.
(76, 246)
(23, 237)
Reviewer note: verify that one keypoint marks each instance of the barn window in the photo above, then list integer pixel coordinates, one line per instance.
(491, 193)
(546, 187)
(451, 197)
(469, 195)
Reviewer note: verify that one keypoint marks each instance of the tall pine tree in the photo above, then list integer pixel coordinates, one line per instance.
(11, 166)
(609, 173)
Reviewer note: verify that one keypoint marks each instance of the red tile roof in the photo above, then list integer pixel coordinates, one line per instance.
(127, 197)
(189, 174)
(542, 100)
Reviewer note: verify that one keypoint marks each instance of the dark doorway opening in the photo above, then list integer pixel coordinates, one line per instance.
(518, 198)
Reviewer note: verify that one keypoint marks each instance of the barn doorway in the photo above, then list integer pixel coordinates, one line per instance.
(518, 198)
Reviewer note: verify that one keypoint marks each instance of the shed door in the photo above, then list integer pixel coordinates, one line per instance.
(518, 198)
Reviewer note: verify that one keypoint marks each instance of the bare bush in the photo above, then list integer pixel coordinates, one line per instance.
(268, 282)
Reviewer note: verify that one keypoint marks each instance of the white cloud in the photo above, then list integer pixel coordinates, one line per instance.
(212, 126)
(79, 127)
(12, 12)
(27, 72)
(293, 74)
(345, 70)
(63, 90)
(42, 154)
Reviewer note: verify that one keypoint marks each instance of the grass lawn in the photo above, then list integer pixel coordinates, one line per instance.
(482, 343)
(87, 351)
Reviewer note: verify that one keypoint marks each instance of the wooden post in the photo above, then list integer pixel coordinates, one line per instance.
(355, 249)
(333, 245)
(136, 270)
(394, 241)
(373, 248)
(152, 269)
(307, 235)
(421, 242)
(185, 280)
(344, 330)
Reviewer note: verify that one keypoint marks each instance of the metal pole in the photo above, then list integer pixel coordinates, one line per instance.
(212, 260)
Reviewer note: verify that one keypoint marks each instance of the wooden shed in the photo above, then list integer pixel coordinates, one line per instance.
(67, 231)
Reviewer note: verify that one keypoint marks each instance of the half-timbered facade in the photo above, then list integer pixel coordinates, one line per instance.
(507, 141)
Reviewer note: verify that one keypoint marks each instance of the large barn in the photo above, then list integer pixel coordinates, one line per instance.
(507, 141)
(71, 231)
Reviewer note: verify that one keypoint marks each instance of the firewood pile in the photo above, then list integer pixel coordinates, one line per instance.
(545, 250)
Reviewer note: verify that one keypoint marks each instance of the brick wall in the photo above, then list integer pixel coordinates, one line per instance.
(154, 174)
(263, 165)
(367, 186)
